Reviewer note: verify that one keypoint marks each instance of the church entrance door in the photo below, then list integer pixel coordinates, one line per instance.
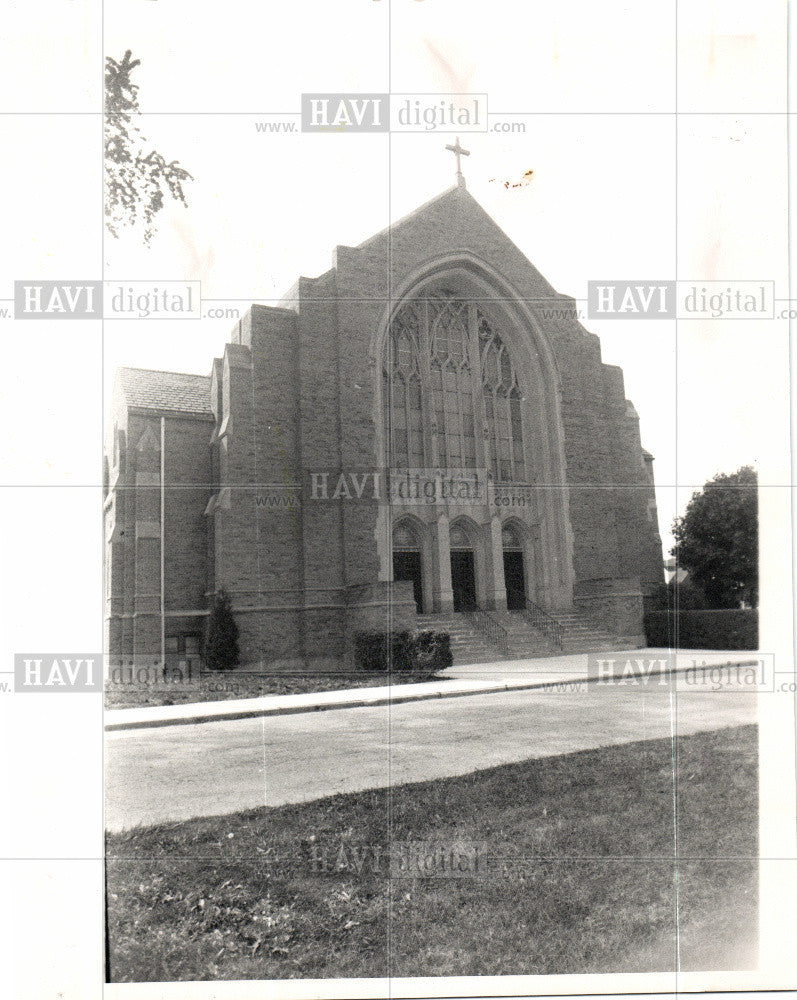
(463, 579)
(514, 581)
(407, 566)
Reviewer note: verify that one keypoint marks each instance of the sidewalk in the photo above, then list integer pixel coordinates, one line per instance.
(479, 678)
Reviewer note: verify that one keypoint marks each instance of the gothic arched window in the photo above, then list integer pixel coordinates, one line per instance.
(447, 373)
(404, 538)
(510, 539)
(402, 384)
(451, 379)
(502, 405)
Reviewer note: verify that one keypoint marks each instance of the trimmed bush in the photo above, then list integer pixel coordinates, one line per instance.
(382, 651)
(433, 650)
(221, 640)
(730, 628)
(402, 651)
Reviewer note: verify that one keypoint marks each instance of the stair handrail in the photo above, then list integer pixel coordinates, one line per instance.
(494, 630)
(546, 623)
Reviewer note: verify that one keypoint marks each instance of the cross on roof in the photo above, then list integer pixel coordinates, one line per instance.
(458, 151)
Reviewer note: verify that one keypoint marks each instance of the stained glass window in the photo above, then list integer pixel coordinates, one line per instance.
(444, 361)
(502, 399)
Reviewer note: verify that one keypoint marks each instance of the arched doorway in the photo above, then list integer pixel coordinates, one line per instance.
(463, 569)
(514, 570)
(407, 562)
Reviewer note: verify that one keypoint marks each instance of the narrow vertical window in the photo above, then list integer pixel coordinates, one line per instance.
(502, 403)
(402, 388)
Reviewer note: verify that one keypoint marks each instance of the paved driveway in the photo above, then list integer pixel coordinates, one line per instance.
(177, 772)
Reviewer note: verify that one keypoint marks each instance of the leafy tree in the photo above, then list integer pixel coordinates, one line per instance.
(136, 179)
(221, 646)
(717, 539)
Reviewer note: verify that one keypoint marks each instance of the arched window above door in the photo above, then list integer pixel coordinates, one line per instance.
(404, 537)
(458, 538)
(510, 538)
(448, 383)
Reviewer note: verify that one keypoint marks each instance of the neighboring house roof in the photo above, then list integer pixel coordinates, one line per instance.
(675, 572)
(155, 390)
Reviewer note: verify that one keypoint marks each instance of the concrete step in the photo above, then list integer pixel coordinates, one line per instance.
(469, 644)
(523, 639)
(578, 633)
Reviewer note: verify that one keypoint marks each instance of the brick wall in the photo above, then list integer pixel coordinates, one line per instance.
(295, 393)
(187, 479)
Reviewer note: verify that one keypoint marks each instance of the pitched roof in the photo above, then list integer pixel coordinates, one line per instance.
(154, 390)
(454, 220)
(449, 194)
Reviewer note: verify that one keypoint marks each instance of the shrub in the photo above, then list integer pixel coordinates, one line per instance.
(730, 628)
(433, 650)
(221, 644)
(401, 651)
(382, 651)
(370, 652)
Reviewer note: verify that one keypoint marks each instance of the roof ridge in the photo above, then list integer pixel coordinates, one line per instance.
(160, 371)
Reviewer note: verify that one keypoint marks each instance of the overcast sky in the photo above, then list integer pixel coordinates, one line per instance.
(621, 188)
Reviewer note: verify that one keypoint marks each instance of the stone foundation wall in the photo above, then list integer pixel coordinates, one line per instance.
(319, 638)
(615, 605)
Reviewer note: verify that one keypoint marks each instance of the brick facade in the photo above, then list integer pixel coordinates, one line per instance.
(216, 469)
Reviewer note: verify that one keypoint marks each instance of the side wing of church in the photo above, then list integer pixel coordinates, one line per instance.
(429, 351)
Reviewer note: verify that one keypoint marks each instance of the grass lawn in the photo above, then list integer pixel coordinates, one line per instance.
(576, 873)
(221, 686)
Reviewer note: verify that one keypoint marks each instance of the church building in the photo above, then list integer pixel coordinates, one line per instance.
(424, 435)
